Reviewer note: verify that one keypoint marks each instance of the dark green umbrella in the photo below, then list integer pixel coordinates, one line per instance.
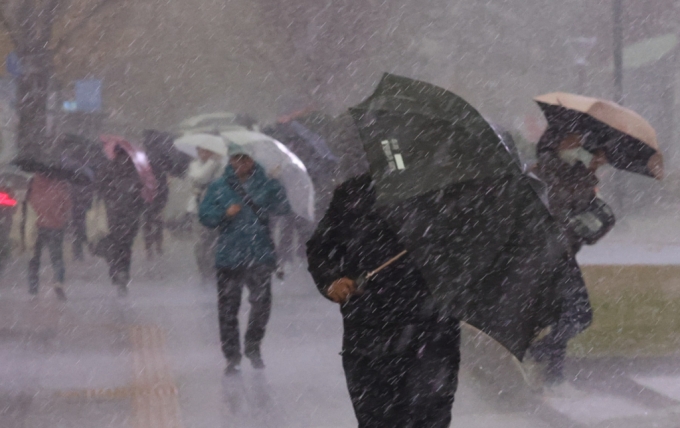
(459, 201)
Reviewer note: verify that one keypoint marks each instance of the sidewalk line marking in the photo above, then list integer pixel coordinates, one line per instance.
(155, 402)
(154, 393)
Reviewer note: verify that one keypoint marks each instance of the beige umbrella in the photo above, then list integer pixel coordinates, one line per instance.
(628, 140)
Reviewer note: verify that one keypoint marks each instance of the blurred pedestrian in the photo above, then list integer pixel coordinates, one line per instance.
(50, 198)
(238, 205)
(203, 171)
(124, 184)
(82, 197)
(165, 161)
(400, 356)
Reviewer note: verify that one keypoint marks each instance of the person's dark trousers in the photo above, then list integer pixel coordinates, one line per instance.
(122, 231)
(153, 230)
(575, 316)
(153, 222)
(54, 240)
(79, 229)
(81, 198)
(414, 389)
(230, 283)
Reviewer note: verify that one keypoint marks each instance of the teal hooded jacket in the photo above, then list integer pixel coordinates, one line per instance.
(244, 240)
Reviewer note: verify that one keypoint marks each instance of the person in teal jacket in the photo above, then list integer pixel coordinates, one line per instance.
(238, 205)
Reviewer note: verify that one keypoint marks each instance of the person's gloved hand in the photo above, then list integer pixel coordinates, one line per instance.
(233, 210)
(340, 290)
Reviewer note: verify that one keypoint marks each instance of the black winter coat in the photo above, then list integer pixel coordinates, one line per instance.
(396, 307)
(119, 186)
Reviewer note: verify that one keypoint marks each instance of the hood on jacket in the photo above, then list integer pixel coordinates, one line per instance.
(258, 172)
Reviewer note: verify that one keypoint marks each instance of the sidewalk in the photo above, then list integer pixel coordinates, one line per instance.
(152, 360)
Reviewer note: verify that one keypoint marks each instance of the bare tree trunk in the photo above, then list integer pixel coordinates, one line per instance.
(30, 24)
(32, 94)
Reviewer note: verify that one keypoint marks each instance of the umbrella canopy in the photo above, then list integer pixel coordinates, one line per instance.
(163, 155)
(456, 196)
(280, 163)
(78, 150)
(307, 136)
(57, 171)
(189, 143)
(628, 140)
(139, 159)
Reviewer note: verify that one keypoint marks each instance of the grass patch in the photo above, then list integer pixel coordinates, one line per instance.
(636, 312)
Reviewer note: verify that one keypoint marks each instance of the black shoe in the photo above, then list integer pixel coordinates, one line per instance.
(121, 280)
(233, 368)
(539, 351)
(122, 290)
(255, 359)
(257, 362)
(59, 291)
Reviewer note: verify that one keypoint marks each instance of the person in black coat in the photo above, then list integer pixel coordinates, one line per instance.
(568, 171)
(400, 357)
(120, 188)
(165, 161)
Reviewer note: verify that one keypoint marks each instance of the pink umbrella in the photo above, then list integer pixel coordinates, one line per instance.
(139, 159)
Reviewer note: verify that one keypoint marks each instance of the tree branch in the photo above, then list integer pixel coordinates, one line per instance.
(52, 8)
(81, 24)
(8, 26)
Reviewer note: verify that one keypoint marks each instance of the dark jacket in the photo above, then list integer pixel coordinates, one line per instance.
(244, 239)
(165, 161)
(118, 184)
(571, 189)
(351, 240)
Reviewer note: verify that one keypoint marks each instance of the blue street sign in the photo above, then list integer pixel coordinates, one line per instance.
(13, 64)
(89, 95)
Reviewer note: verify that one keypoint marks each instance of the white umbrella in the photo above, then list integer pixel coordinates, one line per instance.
(279, 163)
(189, 143)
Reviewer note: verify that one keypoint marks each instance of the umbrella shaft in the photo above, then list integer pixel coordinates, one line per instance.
(373, 273)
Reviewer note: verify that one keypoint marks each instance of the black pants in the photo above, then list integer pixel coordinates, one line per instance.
(414, 389)
(54, 239)
(230, 284)
(79, 229)
(575, 316)
(123, 228)
(153, 222)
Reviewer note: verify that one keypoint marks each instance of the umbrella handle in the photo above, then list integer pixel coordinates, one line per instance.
(363, 279)
(383, 266)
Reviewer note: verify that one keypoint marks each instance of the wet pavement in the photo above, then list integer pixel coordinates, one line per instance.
(152, 360)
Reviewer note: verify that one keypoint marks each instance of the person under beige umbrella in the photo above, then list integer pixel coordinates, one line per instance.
(583, 134)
